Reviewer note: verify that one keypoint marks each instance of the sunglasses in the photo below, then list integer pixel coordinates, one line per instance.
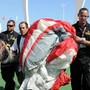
(10, 25)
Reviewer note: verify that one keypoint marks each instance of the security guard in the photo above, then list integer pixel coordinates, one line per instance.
(80, 68)
(8, 69)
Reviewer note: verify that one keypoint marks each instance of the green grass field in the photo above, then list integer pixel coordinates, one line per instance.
(2, 83)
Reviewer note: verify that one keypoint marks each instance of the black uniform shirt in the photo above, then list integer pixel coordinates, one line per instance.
(83, 52)
(9, 39)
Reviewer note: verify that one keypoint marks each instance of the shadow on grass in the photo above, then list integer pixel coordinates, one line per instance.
(1, 88)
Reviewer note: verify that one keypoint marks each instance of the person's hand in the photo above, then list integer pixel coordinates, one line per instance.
(77, 38)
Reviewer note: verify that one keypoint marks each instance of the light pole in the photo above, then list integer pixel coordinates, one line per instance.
(63, 8)
(25, 9)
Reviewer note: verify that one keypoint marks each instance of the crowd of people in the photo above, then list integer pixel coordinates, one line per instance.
(79, 68)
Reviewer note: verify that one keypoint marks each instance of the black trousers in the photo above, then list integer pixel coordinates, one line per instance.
(80, 74)
(20, 74)
(8, 73)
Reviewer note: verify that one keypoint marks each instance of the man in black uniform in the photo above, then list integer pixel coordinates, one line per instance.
(8, 69)
(80, 68)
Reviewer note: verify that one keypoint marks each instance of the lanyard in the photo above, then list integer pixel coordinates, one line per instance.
(9, 37)
(83, 31)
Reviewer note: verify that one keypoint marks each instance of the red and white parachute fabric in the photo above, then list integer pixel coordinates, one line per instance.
(48, 50)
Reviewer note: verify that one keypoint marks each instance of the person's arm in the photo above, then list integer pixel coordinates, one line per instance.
(86, 42)
(81, 40)
(15, 51)
(14, 47)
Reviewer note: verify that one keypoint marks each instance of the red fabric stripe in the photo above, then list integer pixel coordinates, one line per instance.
(61, 80)
(30, 31)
